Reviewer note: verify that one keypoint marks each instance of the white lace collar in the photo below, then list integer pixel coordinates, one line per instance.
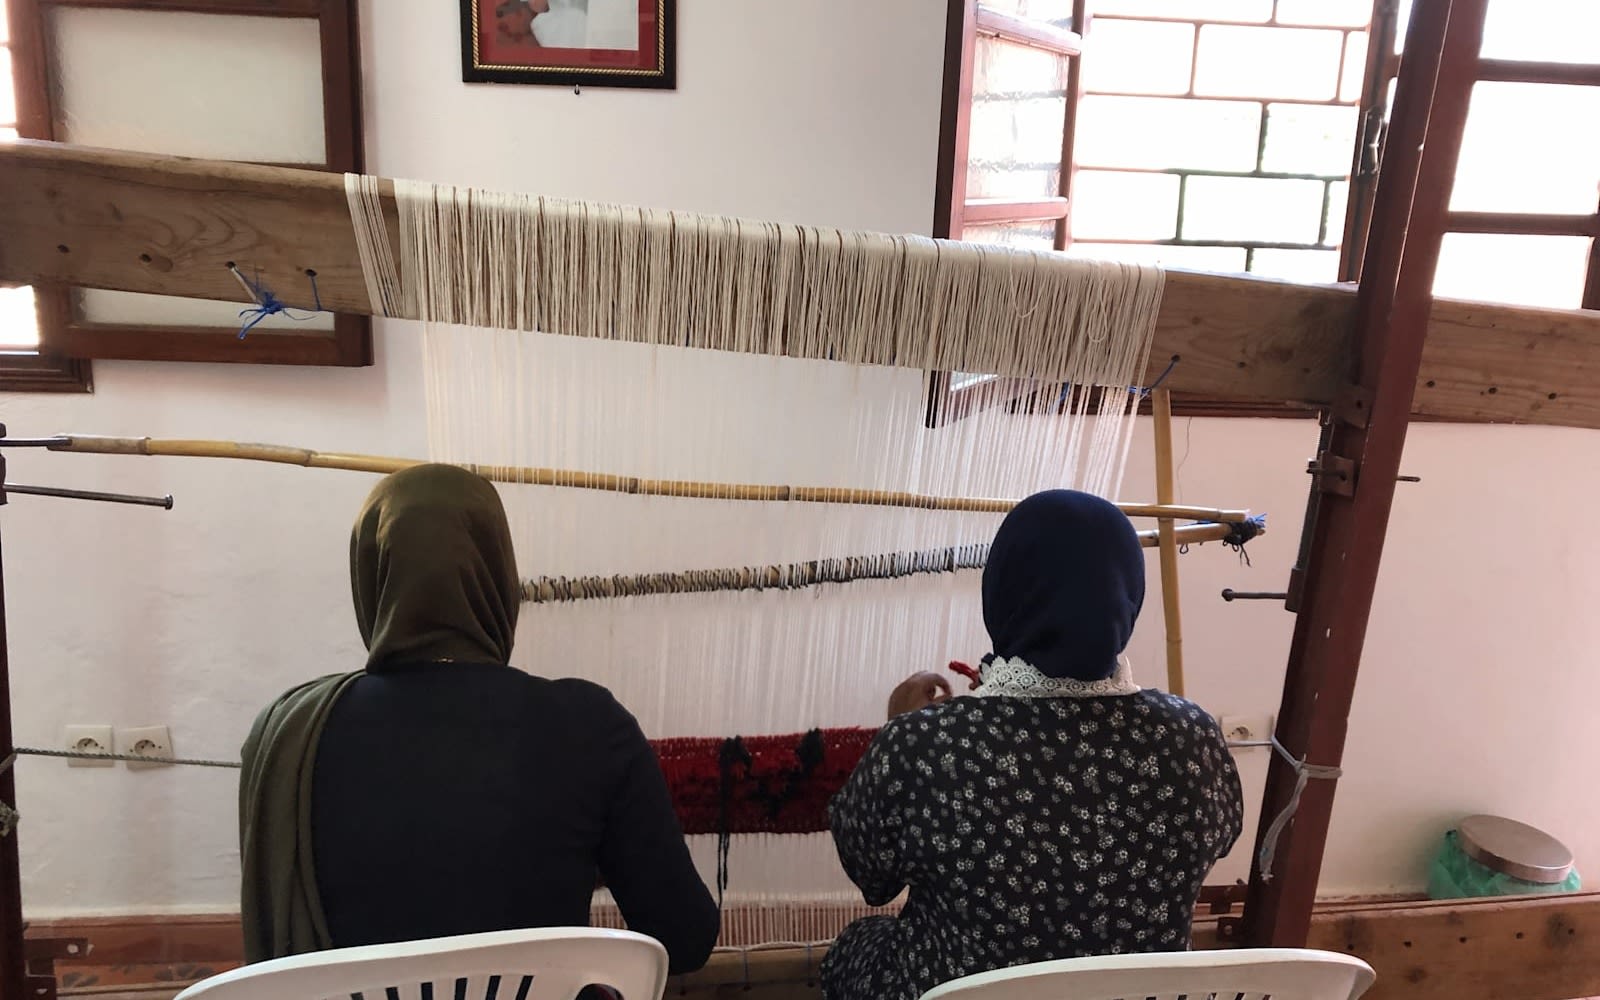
(1016, 678)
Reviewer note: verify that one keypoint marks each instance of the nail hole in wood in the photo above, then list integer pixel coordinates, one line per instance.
(145, 258)
(1519, 935)
(1430, 383)
(230, 265)
(1552, 396)
(1493, 389)
(311, 272)
(63, 248)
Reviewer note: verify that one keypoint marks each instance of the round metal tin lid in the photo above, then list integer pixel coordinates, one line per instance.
(1515, 849)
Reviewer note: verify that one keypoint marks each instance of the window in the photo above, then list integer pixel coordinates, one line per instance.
(121, 74)
(1216, 135)
(1245, 135)
(21, 364)
(1525, 211)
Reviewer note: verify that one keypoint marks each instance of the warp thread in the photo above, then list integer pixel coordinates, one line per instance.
(1303, 773)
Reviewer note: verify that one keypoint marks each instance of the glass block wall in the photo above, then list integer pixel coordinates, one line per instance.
(1219, 134)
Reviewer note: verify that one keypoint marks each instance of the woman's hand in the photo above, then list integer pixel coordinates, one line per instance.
(918, 691)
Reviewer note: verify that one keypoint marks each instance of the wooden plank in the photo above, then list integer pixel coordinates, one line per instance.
(1528, 949)
(988, 211)
(1026, 31)
(1543, 948)
(1237, 337)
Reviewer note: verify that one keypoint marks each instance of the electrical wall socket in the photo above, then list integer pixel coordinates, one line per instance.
(1247, 728)
(153, 742)
(87, 739)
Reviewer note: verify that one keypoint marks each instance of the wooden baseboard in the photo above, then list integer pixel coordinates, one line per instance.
(1539, 948)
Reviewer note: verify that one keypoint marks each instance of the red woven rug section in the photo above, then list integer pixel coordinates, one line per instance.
(759, 784)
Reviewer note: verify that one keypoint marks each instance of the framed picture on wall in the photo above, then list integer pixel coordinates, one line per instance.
(596, 43)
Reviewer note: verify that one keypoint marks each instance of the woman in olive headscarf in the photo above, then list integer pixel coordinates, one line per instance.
(1059, 812)
(440, 791)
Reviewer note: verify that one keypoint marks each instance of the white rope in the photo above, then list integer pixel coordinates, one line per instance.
(1303, 773)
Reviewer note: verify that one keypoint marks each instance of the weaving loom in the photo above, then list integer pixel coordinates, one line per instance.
(712, 603)
(791, 310)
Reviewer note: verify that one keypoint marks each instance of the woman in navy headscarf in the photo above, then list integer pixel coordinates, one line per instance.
(1058, 812)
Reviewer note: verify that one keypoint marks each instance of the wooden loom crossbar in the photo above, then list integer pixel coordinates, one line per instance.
(171, 226)
(383, 465)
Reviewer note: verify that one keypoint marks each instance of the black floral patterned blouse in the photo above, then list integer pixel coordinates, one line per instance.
(1039, 819)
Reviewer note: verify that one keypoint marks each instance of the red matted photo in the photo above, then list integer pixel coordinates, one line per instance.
(601, 43)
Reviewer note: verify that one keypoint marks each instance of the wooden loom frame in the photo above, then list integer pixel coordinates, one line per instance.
(1370, 358)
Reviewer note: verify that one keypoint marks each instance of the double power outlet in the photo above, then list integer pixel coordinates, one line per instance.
(154, 743)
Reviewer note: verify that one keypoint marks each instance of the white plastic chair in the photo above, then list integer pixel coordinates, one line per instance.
(1247, 974)
(539, 964)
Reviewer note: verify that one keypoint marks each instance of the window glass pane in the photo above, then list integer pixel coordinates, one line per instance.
(1309, 139)
(1252, 208)
(1355, 67)
(18, 327)
(1228, 260)
(1530, 148)
(1124, 206)
(1198, 10)
(1019, 182)
(1350, 13)
(1029, 235)
(1321, 266)
(1019, 109)
(1520, 270)
(150, 103)
(1267, 62)
(1001, 68)
(7, 134)
(1338, 205)
(1543, 30)
(1164, 132)
(1139, 57)
(1056, 12)
(8, 100)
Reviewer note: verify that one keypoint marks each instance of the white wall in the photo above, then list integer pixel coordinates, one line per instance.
(1475, 687)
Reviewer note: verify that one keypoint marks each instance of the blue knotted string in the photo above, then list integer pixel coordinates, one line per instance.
(267, 302)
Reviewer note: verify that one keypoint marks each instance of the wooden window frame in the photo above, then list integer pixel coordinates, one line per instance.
(62, 334)
(25, 370)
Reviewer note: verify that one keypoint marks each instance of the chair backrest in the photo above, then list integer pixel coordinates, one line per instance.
(1247, 974)
(542, 964)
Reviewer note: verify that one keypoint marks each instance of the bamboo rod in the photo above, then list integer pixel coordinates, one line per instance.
(1161, 406)
(383, 465)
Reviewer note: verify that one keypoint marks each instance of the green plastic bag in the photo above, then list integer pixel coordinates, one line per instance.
(1456, 876)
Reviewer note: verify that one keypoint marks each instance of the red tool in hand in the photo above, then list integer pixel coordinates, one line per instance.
(974, 678)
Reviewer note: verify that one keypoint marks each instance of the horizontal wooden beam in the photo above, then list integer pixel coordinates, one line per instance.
(1034, 34)
(1523, 224)
(989, 211)
(1545, 948)
(171, 226)
(1520, 71)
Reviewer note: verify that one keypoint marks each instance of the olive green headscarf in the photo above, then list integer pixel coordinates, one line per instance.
(434, 578)
(432, 569)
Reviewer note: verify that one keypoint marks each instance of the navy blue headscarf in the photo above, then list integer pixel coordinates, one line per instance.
(1064, 584)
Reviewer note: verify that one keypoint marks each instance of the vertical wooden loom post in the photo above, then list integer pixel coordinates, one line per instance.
(1355, 473)
(1161, 408)
(13, 963)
